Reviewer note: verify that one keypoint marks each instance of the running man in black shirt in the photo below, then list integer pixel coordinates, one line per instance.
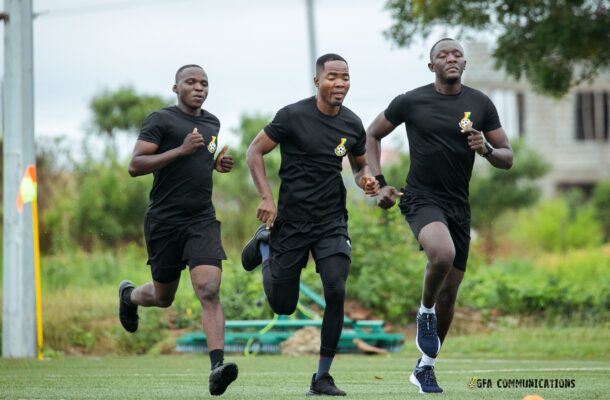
(314, 135)
(447, 123)
(177, 144)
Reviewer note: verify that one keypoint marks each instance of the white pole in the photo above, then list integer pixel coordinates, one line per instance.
(311, 30)
(19, 302)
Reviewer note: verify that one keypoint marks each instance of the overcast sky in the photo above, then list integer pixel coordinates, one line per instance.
(256, 54)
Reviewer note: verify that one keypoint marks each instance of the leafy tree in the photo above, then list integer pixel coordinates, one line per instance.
(497, 191)
(123, 110)
(555, 43)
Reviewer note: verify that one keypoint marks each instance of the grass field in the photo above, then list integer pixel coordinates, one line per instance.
(277, 377)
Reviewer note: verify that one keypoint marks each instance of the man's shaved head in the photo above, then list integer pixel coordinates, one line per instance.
(179, 72)
(440, 41)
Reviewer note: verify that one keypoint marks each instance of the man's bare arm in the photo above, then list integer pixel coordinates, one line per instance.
(379, 128)
(260, 146)
(144, 160)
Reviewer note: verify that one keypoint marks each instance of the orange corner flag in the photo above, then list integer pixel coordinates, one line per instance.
(27, 188)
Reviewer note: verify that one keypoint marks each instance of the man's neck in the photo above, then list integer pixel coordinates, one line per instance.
(195, 112)
(326, 108)
(448, 88)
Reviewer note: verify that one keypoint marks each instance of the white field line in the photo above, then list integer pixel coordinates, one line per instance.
(478, 371)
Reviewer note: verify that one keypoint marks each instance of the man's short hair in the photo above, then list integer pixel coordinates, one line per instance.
(439, 41)
(185, 67)
(326, 58)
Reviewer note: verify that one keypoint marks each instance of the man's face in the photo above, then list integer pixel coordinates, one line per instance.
(192, 87)
(333, 82)
(447, 61)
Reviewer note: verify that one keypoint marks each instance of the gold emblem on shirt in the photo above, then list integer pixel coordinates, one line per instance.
(212, 145)
(340, 150)
(466, 123)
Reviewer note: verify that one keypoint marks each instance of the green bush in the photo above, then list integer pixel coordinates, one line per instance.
(555, 226)
(101, 205)
(77, 320)
(572, 285)
(82, 269)
(601, 202)
(152, 329)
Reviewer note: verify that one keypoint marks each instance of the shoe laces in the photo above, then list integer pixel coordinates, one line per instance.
(429, 376)
(427, 324)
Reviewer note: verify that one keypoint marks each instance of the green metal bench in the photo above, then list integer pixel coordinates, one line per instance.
(265, 336)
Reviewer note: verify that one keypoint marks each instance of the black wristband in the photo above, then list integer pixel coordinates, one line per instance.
(381, 179)
(489, 150)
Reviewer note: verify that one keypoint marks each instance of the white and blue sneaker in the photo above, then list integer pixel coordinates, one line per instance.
(427, 339)
(423, 377)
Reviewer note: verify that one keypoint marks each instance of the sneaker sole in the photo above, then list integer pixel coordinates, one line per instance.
(312, 393)
(414, 381)
(227, 376)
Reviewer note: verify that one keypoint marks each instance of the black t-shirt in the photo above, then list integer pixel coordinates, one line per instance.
(312, 146)
(182, 190)
(441, 161)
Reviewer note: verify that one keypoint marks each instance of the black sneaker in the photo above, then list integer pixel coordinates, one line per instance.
(128, 312)
(427, 339)
(251, 255)
(423, 377)
(325, 386)
(221, 377)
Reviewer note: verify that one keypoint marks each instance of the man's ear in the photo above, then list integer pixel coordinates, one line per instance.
(464, 69)
(175, 88)
(431, 67)
(316, 81)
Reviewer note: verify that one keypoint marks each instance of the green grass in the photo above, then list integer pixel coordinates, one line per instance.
(542, 342)
(283, 377)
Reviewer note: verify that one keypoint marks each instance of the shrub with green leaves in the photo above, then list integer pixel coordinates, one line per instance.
(100, 205)
(572, 285)
(601, 202)
(152, 329)
(555, 225)
(81, 269)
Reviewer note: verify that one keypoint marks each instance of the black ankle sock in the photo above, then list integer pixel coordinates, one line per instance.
(216, 357)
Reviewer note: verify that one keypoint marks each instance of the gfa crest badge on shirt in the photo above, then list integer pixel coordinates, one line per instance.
(466, 123)
(212, 145)
(340, 150)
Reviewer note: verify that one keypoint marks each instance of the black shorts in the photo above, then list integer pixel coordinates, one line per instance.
(291, 241)
(173, 246)
(419, 212)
